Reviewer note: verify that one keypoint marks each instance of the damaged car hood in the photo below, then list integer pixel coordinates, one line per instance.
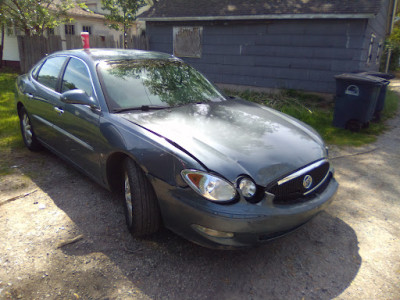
(236, 137)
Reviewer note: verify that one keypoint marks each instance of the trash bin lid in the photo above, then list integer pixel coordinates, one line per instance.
(386, 76)
(361, 78)
(382, 79)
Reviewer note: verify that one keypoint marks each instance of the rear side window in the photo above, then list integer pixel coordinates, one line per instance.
(35, 71)
(50, 70)
(76, 76)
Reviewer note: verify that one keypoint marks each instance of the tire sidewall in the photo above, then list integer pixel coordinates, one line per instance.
(34, 145)
(146, 217)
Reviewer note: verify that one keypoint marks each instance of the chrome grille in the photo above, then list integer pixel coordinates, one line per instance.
(291, 189)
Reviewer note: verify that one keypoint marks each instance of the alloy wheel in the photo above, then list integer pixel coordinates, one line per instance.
(128, 199)
(27, 129)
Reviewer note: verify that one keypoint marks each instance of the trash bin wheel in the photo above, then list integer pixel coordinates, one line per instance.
(377, 117)
(354, 125)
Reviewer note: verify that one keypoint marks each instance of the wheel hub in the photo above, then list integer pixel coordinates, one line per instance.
(27, 129)
(128, 200)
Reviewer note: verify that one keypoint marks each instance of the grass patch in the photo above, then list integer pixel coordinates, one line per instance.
(317, 112)
(10, 136)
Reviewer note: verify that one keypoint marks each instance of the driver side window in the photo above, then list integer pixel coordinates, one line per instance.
(76, 76)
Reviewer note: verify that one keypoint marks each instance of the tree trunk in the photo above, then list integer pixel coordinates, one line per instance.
(2, 45)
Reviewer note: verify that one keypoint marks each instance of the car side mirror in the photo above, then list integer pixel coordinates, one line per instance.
(78, 97)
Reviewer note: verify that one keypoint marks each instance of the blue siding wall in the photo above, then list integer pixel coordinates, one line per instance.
(291, 54)
(376, 26)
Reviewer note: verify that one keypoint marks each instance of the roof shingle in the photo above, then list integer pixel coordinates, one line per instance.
(236, 8)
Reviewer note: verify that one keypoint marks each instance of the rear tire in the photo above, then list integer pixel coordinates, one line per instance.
(28, 135)
(142, 212)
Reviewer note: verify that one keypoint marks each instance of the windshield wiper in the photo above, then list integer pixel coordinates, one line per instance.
(142, 108)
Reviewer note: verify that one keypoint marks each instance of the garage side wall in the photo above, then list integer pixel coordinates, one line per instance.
(375, 34)
(290, 54)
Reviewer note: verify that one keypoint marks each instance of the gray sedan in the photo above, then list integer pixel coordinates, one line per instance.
(219, 171)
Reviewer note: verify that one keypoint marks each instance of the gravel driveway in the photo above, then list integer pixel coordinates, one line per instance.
(64, 237)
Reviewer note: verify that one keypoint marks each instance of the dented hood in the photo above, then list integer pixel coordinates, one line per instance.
(236, 137)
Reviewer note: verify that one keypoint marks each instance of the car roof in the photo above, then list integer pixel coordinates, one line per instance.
(99, 54)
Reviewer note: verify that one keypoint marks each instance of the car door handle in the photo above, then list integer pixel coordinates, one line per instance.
(60, 111)
(29, 95)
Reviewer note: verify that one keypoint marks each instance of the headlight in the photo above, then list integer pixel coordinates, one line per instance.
(247, 187)
(209, 186)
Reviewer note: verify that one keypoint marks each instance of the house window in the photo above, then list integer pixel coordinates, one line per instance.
(87, 29)
(371, 45)
(69, 30)
(378, 52)
(187, 41)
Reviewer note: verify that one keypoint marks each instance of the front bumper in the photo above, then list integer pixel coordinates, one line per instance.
(249, 224)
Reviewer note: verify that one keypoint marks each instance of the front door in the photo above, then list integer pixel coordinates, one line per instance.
(79, 124)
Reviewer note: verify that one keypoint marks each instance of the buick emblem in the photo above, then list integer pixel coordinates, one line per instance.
(307, 182)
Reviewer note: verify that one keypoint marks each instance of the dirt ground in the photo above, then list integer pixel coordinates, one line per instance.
(64, 237)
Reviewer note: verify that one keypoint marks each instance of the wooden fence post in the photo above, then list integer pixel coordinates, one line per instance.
(33, 48)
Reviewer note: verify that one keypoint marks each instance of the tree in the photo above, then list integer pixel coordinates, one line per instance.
(33, 17)
(392, 47)
(121, 12)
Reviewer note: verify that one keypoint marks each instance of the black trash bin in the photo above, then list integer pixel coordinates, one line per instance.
(380, 103)
(356, 97)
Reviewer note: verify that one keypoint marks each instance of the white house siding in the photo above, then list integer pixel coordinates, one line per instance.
(98, 28)
(10, 51)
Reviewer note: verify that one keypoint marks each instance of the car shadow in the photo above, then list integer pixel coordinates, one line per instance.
(318, 261)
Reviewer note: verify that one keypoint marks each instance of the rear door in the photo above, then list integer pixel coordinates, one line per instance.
(44, 98)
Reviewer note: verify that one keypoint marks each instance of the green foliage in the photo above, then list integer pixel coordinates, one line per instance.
(121, 12)
(318, 113)
(393, 43)
(9, 126)
(34, 16)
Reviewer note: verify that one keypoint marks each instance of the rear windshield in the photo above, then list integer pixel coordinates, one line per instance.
(151, 82)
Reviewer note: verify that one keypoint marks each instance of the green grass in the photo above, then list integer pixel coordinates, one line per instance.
(10, 137)
(318, 113)
(9, 125)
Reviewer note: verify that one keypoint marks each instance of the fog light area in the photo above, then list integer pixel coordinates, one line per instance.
(212, 232)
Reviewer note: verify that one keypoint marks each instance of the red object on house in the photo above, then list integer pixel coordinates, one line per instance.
(85, 40)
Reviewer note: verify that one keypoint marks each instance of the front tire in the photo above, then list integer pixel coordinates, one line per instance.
(142, 212)
(27, 132)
